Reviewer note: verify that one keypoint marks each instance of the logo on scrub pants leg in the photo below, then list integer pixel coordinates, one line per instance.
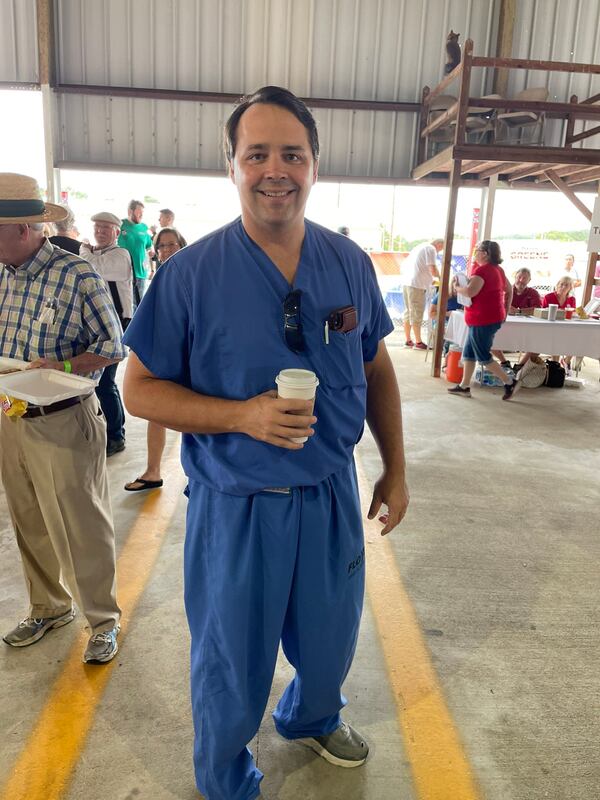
(355, 565)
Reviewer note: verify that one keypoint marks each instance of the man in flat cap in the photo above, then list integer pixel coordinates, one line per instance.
(113, 263)
(56, 312)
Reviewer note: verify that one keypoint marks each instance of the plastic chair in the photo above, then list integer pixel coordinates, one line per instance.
(522, 120)
(481, 122)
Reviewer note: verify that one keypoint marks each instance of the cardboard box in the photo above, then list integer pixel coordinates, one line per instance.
(542, 313)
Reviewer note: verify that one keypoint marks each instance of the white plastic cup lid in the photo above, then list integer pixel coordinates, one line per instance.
(297, 378)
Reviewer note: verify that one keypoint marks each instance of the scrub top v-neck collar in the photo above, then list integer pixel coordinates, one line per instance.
(268, 266)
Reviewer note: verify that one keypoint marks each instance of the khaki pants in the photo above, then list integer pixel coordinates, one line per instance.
(54, 474)
(414, 305)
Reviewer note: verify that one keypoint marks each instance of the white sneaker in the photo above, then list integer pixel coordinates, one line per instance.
(31, 629)
(102, 647)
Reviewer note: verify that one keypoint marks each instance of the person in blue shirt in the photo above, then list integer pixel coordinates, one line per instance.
(274, 546)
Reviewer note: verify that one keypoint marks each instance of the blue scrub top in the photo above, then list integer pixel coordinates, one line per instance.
(213, 321)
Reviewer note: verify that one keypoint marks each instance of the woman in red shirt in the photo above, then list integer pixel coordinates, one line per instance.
(491, 295)
(561, 296)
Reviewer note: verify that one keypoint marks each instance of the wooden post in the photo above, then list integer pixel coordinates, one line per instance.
(570, 125)
(504, 44)
(459, 138)
(422, 142)
(588, 283)
(45, 29)
(559, 184)
(463, 93)
(436, 363)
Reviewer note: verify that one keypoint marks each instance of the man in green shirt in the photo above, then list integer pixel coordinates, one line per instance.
(136, 239)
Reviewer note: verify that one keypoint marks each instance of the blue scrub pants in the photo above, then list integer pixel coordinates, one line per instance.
(260, 570)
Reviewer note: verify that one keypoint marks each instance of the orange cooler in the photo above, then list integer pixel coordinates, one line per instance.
(454, 372)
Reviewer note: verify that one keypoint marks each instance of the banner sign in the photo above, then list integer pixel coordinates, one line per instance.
(594, 240)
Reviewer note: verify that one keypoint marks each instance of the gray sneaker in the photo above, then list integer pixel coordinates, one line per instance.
(345, 747)
(31, 629)
(102, 647)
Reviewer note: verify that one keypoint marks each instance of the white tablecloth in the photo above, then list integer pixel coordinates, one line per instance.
(563, 337)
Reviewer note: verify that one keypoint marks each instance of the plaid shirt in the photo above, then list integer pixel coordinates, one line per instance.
(56, 306)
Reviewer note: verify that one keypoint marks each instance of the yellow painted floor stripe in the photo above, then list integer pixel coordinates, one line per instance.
(440, 768)
(439, 765)
(44, 768)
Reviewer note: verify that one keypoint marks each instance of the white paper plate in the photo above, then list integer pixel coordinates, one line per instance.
(11, 364)
(45, 386)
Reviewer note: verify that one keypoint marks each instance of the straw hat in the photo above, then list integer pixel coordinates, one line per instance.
(21, 201)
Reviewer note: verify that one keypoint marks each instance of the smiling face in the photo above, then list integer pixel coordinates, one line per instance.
(273, 170)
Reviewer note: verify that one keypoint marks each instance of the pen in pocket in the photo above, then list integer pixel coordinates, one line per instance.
(48, 315)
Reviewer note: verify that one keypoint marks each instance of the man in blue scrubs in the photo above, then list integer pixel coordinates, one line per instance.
(274, 548)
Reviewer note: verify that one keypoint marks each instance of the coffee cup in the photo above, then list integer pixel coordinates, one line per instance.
(552, 311)
(569, 313)
(297, 384)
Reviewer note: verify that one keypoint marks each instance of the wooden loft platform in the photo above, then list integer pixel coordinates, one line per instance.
(495, 155)
(516, 165)
(513, 163)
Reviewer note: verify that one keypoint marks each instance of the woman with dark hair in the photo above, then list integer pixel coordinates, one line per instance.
(167, 242)
(491, 295)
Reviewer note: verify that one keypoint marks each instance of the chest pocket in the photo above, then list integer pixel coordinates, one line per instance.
(341, 361)
(45, 340)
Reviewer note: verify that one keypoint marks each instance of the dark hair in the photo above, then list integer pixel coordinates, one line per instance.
(180, 240)
(133, 204)
(492, 249)
(273, 96)
(167, 211)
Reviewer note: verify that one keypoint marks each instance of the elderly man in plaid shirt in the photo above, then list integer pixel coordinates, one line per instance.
(56, 312)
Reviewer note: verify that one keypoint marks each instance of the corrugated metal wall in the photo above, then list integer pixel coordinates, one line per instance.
(558, 30)
(350, 49)
(354, 49)
(18, 42)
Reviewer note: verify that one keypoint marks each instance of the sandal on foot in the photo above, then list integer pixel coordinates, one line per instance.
(142, 485)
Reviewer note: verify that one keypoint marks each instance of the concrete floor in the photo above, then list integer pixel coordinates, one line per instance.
(499, 555)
